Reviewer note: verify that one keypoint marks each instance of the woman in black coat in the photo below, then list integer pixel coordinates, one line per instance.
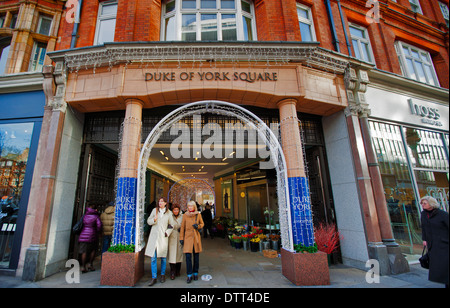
(435, 237)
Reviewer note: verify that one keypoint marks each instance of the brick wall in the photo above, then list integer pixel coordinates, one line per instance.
(276, 20)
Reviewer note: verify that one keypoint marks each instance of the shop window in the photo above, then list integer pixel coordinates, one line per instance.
(306, 23)
(415, 6)
(208, 20)
(106, 22)
(37, 57)
(15, 140)
(444, 10)
(44, 25)
(416, 64)
(361, 43)
(13, 22)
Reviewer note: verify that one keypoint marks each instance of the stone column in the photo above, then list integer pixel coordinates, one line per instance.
(125, 215)
(300, 200)
(36, 230)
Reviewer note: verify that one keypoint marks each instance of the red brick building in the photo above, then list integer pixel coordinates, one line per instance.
(368, 81)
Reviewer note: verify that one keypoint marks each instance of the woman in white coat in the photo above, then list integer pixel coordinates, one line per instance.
(162, 222)
(175, 255)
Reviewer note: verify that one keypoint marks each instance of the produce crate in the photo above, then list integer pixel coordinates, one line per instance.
(270, 253)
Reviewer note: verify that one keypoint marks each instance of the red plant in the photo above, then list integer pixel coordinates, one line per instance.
(327, 238)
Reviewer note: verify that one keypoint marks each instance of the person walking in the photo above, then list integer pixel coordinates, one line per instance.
(191, 240)
(162, 222)
(207, 219)
(175, 254)
(88, 239)
(435, 237)
(107, 218)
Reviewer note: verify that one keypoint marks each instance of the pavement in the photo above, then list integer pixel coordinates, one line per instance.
(235, 269)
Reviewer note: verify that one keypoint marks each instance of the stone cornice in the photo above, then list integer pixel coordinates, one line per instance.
(21, 82)
(272, 53)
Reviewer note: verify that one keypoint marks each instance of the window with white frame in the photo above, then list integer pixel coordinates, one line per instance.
(416, 64)
(106, 22)
(4, 51)
(208, 20)
(444, 10)
(361, 43)
(306, 23)
(44, 25)
(37, 57)
(415, 6)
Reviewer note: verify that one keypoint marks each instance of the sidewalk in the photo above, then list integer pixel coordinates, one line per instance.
(231, 268)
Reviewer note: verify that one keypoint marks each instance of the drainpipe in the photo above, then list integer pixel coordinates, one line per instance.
(332, 26)
(349, 47)
(73, 42)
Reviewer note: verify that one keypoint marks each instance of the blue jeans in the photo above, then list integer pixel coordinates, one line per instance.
(192, 268)
(154, 267)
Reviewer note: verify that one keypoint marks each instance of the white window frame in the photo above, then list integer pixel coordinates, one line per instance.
(415, 6)
(404, 66)
(237, 11)
(445, 13)
(33, 66)
(309, 22)
(42, 17)
(101, 18)
(362, 40)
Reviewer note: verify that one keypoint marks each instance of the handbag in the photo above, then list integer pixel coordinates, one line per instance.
(425, 259)
(78, 226)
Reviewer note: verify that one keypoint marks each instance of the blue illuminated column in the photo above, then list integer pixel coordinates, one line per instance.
(299, 194)
(125, 213)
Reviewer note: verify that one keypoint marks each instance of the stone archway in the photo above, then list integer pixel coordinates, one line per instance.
(247, 117)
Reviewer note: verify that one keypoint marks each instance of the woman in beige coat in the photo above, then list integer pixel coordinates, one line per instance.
(175, 254)
(191, 240)
(162, 222)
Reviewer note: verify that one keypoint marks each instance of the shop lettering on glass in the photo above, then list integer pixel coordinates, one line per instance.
(250, 77)
(429, 115)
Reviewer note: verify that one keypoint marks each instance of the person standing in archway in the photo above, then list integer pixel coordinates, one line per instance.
(191, 240)
(175, 254)
(162, 222)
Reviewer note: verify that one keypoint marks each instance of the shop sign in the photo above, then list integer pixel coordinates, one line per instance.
(428, 114)
(250, 77)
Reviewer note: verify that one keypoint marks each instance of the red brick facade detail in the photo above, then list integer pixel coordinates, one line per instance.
(276, 20)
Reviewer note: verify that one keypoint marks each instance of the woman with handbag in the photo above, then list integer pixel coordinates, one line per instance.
(88, 240)
(191, 240)
(435, 237)
(162, 222)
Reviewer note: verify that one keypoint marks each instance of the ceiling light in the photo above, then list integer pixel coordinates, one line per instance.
(162, 153)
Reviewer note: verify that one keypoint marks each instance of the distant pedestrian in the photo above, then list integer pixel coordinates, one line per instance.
(207, 219)
(88, 239)
(435, 237)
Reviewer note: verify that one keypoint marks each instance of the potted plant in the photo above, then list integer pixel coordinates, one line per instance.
(274, 238)
(254, 244)
(268, 215)
(237, 241)
(122, 266)
(327, 239)
(245, 240)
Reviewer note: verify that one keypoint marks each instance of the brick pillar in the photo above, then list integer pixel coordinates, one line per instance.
(125, 216)
(300, 200)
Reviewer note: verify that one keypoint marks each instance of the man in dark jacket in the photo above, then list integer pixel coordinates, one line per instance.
(435, 237)
(207, 219)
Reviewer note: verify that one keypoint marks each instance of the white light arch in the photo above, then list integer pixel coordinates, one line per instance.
(226, 109)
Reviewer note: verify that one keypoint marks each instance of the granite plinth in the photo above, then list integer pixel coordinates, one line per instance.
(305, 269)
(122, 269)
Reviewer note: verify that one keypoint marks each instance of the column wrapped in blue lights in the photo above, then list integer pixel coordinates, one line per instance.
(299, 194)
(126, 189)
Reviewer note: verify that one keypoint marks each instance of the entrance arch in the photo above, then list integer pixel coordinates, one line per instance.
(247, 117)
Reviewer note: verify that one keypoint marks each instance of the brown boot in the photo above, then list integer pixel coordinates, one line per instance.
(152, 282)
(163, 278)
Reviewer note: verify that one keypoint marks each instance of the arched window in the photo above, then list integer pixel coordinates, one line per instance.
(208, 20)
(5, 43)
